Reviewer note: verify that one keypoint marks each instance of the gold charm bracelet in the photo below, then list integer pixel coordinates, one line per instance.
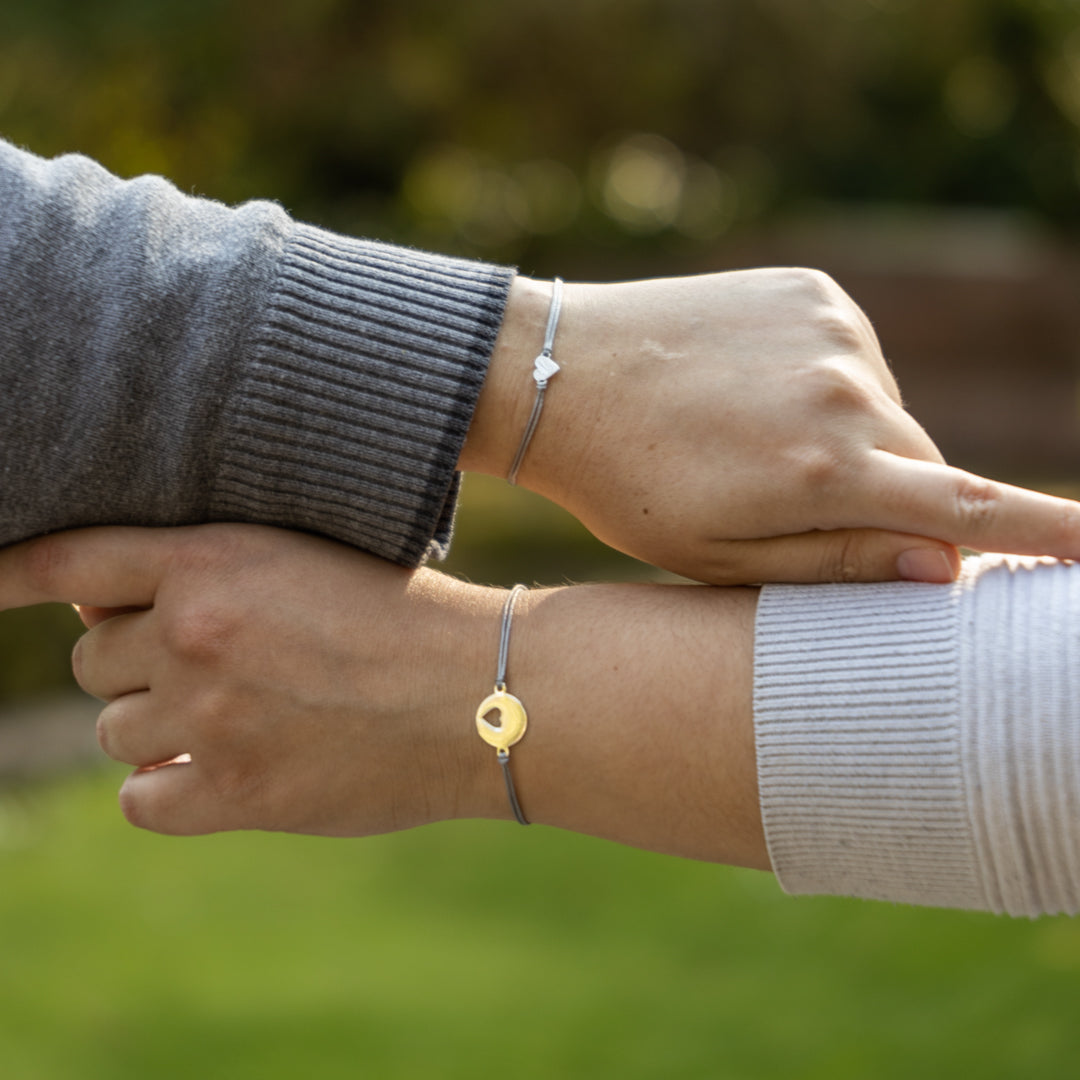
(512, 718)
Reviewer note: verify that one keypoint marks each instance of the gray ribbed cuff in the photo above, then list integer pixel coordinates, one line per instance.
(363, 379)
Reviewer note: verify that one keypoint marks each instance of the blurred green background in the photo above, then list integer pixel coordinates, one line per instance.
(599, 139)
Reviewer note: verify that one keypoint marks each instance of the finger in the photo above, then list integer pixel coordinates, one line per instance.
(971, 511)
(100, 567)
(115, 657)
(130, 730)
(91, 616)
(178, 800)
(837, 555)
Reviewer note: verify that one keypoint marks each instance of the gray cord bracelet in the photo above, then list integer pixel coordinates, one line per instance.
(544, 370)
(512, 717)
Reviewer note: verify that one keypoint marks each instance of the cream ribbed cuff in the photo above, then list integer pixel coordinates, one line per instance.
(921, 743)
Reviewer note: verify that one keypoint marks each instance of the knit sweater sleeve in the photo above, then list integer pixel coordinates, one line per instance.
(167, 360)
(921, 743)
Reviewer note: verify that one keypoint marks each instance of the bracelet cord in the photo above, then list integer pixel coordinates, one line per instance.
(513, 719)
(544, 370)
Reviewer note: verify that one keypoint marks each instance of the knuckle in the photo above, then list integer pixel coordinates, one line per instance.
(212, 716)
(838, 320)
(837, 389)
(45, 561)
(109, 729)
(977, 501)
(841, 329)
(1069, 527)
(813, 284)
(136, 808)
(201, 633)
(820, 471)
(148, 806)
(842, 560)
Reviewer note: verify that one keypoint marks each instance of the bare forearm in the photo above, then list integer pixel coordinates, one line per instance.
(640, 718)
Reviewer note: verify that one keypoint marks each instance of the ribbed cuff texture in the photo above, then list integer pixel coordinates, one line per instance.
(363, 380)
(921, 743)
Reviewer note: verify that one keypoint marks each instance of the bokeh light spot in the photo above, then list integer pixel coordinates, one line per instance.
(643, 185)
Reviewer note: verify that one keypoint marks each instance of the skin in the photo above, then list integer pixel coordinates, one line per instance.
(318, 690)
(738, 428)
(275, 660)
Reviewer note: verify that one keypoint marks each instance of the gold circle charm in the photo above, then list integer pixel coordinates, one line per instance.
(512, 720)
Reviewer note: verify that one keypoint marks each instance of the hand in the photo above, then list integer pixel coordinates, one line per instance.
(742, 427)
(303, 678)
(320, 690)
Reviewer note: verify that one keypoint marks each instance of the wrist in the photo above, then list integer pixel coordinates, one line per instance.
(460, 777)
(615, 748)
(583, 401)
(502, 408)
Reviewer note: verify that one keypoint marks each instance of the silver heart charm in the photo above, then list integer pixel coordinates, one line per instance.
(544, 368)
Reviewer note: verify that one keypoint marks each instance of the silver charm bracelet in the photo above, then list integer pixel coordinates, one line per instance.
(544, 370)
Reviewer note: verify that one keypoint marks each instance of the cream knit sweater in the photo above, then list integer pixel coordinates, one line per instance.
(921, 743)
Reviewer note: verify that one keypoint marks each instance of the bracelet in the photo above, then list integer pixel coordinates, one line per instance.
(544, 370)
(512, 717)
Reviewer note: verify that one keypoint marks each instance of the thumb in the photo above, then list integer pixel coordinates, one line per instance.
(835, 556)
(97, 567)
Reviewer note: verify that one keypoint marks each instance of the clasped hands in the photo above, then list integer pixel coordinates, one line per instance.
(735, 428)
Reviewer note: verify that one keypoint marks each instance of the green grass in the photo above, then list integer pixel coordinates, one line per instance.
(480, 949)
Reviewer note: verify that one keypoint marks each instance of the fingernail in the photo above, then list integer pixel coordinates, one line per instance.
(925, 564)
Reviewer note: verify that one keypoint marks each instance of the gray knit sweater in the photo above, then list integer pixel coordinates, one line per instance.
(166, 360)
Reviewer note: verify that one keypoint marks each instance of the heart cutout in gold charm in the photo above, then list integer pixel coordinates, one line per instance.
(512, 720)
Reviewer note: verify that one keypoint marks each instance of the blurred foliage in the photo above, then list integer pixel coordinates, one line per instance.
(600, 130)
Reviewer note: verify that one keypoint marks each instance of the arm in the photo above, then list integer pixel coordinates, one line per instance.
(167, 360)
(913, 742)
(319, 690)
